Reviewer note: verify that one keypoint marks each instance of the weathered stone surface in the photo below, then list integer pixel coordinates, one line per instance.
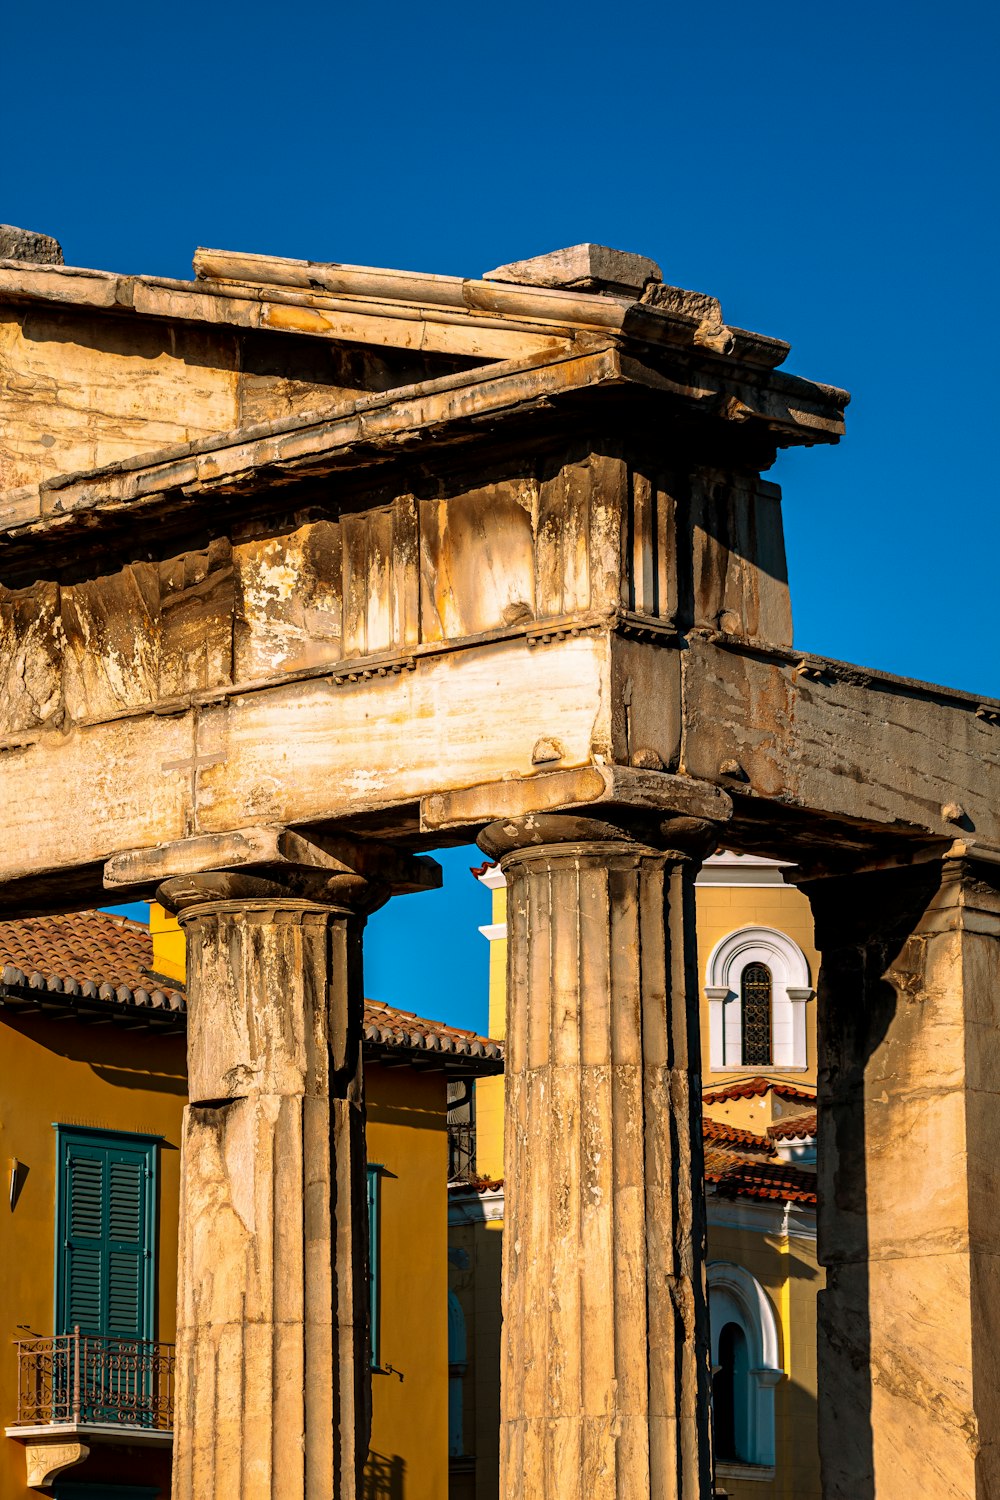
(274, 854)
(605, 1374)
(585, 267)
(909, 1094)
(272, 1344)
(422, 590)
(618, 791)
(26, 244)
(821, 735)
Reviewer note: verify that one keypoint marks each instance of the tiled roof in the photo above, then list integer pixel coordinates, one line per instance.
(86, 960)
(92, 964)
(402, 1030)
(798, 1128)
(750, 1088)
(480, 870)
(716, 1131)
(760, 1179)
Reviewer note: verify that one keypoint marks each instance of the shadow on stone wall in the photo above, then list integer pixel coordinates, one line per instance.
(864, 929)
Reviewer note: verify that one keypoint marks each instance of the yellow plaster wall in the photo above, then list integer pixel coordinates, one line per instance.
(407, 1134)
(169, 955)
(788, 1271)
(71, 1073)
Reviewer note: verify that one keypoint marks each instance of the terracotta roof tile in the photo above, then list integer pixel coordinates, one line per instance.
(86, 955)
(90, 959)
(716, 1131)
(797, 1128)
(750, 1088)
(767, 1179)
(387, 1026)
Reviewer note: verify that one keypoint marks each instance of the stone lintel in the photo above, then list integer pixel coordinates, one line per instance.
(602, 790)
(903, 857)
(583, 267)
(273, 850)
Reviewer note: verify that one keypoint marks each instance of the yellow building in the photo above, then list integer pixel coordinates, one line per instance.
(92, 1020)
(757, 968)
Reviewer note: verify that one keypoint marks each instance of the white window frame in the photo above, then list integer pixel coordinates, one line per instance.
(735, 1296)
(790, 990)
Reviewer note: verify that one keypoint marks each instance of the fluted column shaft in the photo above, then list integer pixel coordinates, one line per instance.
(605, 1365)
(273, 1381)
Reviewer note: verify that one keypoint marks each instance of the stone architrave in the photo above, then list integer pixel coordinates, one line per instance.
(273, 1384)
(909, 1181)
(605, 1369)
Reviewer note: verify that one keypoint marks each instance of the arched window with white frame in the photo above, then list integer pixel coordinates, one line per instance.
(757, 983)
(746, 1366)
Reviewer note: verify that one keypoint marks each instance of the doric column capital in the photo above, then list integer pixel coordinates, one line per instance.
(616, 834)
(290, 894)
(272, 869)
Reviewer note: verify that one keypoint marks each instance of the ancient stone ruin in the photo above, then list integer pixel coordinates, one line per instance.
(306, 569)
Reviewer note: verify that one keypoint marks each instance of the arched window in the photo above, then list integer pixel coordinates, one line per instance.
(728, 1394)
(757, 983)
(755, 1017)
(745, 1366)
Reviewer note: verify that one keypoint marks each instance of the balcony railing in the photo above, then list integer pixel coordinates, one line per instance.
(461, 1151)
(78, 1380)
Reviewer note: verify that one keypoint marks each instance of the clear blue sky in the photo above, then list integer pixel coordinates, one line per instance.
(830, 174)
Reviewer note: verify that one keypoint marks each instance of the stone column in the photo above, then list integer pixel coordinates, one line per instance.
(909, 1182)
(605, 1357)
(272, 1347)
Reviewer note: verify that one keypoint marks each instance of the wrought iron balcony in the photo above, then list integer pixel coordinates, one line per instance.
(78, 1381)
(461, 1151)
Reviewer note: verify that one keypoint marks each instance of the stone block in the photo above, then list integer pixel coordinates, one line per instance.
(585, 268)
(25, 244)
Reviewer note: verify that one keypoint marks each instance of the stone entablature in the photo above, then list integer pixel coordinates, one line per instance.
(526, 584)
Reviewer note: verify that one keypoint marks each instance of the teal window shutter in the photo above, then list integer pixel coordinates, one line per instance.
(374, 1264)
(105, 1224)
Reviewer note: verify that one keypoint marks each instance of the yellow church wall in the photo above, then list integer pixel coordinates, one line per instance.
(788, 1271)
(97, 1077)
(720, 910)
(407, 1135)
